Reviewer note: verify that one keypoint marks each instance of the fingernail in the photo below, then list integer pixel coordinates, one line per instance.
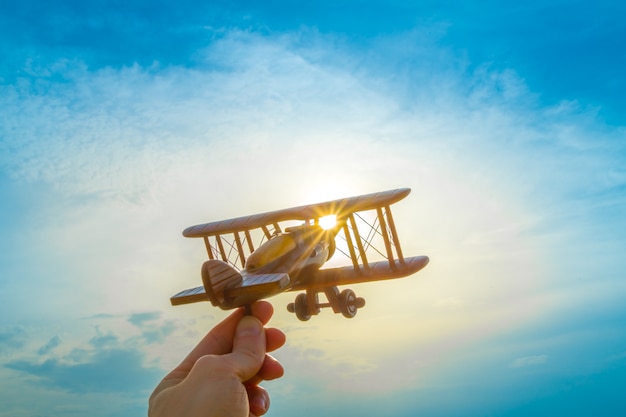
(259, 405)
(249, 326)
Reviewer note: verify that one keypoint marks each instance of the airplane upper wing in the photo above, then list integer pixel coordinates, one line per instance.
(307, 212)
(233, 240)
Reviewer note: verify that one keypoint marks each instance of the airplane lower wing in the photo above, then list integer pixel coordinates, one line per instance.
(375, 271)
(256, 287)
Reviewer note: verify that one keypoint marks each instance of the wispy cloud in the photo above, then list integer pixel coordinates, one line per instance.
(505, 192)
(138, 319)
(252, 96)
(49, 346)
(108, 371)
(529, 361)
(107, 358)
(153, 330)
(12, 337)
(256, 107)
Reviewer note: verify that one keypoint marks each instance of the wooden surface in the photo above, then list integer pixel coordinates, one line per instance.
(270, 284)
(339, 207)
(348, 275)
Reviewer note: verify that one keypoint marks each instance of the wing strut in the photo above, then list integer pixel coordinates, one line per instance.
(220, 245)
(242, 257)
(383, 228)
(394, 235)
(359, 242)
(249, 240)
(209, 250)
(355, 260)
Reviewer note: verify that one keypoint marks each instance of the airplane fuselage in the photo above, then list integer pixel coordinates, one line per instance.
(300, 248)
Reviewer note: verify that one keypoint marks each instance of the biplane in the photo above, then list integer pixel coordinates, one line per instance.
(258, 256)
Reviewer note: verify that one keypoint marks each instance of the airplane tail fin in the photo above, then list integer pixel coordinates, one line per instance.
(227, 288)
(217, 277)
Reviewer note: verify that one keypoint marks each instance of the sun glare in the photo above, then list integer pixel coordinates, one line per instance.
(328, 222)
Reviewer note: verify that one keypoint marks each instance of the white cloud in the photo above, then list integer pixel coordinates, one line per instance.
(96, 361)
(258, 105)
(134, 155)
(265, 115)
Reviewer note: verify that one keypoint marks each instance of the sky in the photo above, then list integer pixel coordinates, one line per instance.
(122, 123)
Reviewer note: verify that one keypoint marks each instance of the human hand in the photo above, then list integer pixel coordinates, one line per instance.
(220, 376)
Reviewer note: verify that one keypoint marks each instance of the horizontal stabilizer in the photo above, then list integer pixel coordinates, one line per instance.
(250, 289)
(255, 287)
(192, 295)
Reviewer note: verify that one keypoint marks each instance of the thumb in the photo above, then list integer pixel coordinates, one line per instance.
(248, 347)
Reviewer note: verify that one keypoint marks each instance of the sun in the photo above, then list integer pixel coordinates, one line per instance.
(328, 222)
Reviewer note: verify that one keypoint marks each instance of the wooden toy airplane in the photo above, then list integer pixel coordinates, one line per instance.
(258, 256)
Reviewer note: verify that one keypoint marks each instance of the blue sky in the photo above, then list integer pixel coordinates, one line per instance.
(122, 123)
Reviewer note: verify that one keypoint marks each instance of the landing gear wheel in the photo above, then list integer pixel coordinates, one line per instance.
(348, 303)
(301, 307)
